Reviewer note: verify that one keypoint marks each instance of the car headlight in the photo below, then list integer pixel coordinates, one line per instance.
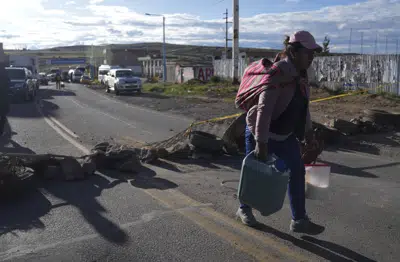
(120, 82)
(19, 85)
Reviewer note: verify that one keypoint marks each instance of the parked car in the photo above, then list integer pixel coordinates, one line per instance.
(103, 72)
(43, 80)
(123, 81)
(85, 79)
(64, 76)
(52, 74)
(76, 75)
(21, 83)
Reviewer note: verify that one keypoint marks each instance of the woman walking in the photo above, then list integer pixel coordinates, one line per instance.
(276, 99)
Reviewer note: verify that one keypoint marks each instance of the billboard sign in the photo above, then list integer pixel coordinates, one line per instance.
(67, 61)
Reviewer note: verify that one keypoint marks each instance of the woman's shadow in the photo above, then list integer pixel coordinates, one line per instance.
(17, 211)
(7, 145)
(324, 249)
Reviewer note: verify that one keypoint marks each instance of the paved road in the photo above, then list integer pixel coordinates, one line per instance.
(179, 212)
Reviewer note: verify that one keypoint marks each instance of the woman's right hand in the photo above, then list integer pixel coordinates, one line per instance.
(261, 151)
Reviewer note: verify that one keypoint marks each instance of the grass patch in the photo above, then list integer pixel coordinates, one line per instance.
(194, 87)
(337, 91)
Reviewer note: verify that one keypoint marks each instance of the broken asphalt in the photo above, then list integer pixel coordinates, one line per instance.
(179, 211)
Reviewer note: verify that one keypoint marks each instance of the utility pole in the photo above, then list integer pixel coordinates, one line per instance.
(163, 48)
(164, 54)
(226, 33)
(376, 44)
(235, 46)
(397, 46)
(362, 42)
(351, 33)
(386, 45)
(92, 64)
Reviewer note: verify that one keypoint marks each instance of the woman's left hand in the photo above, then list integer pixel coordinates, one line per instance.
(310, 138)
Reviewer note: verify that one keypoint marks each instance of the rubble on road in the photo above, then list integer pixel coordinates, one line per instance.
(373, 121)
(207, 142)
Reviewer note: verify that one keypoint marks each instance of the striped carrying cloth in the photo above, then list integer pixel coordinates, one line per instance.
(255, 79)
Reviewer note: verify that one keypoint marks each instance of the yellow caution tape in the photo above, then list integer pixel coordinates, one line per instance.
(337, 96)
(216, 119)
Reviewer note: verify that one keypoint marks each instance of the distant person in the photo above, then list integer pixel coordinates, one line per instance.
(4, 92)
(58, 80)
(276, 99)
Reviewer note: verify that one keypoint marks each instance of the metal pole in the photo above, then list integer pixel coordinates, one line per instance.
(362, 42)
(386, 47)
(235, 46)
(226, 34)
(164, 55)
(351, 32)
(398, 67)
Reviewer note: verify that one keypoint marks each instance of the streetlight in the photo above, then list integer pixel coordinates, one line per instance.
(164, 58)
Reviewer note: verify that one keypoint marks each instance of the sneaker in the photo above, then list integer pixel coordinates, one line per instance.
(305, 226)
(246, 215)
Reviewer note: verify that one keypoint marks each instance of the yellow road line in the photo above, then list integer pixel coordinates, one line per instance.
(238, 235)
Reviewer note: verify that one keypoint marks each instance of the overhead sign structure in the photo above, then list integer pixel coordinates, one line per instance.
(66, 61)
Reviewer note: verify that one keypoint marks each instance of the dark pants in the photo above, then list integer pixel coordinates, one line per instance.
(3, 121)
(289, 151)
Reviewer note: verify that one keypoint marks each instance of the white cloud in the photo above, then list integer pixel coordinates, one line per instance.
(29, 22)
(93, 2)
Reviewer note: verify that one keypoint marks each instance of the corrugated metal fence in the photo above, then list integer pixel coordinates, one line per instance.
(378, 73)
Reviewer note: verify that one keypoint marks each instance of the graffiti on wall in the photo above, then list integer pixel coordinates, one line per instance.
(204, 73)
(357, 69)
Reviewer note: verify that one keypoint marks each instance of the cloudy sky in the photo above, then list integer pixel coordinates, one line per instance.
(48, 23)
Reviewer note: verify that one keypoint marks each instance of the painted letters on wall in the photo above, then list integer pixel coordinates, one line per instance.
(204, 73)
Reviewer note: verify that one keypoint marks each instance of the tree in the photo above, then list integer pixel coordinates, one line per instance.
(325, 46)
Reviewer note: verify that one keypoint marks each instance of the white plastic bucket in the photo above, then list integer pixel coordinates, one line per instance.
(317, 180)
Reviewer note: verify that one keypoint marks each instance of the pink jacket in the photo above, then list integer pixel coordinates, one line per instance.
(274, 99)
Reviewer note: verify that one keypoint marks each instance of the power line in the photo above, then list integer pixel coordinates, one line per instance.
(220, 1)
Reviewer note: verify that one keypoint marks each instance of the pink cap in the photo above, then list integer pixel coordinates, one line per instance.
(306, 39)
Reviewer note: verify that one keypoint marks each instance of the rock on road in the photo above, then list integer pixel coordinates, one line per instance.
(178, 212)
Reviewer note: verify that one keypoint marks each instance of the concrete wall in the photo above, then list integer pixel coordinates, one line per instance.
(203, 73)
(184, 74)
(124, 58)
(223, 67)
(171, 69)
(188, 73)
(152, 67)
(377, 73)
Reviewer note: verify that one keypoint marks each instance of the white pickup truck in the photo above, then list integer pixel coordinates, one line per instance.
(122, 80)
